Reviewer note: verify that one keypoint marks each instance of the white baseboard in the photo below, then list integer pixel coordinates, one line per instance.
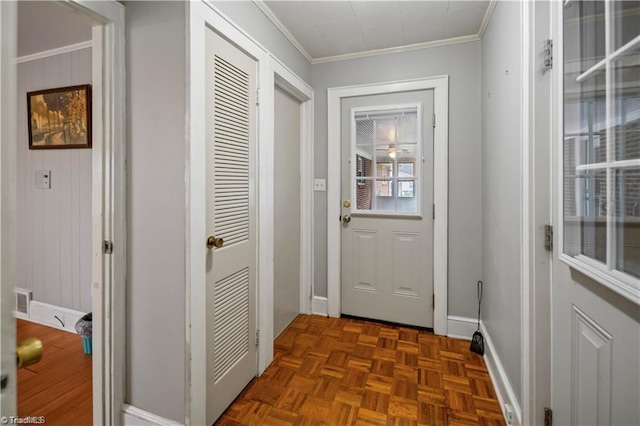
(501, 383)
(134, 416)
(319, 306)
(461, 327)
(54, 316)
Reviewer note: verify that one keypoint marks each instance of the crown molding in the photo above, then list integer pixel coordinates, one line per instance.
(399, 49)
(273, 18)
(487, 18)
(54, 52)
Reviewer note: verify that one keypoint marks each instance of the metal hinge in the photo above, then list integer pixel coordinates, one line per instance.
(434, 212)
(548, 53)
(433, 300)
(258, 97)
(548, 416)
(548, 237)
(434, 119)
(107, 247)
(257, 337)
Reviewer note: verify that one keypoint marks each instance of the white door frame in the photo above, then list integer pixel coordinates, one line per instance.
(440, 86)
(204, 14)
(108, 204)
(536, 183)
(290, 83)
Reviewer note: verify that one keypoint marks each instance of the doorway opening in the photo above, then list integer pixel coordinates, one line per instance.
(63, 209)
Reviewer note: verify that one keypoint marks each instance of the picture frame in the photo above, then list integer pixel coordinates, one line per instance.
(60, 118)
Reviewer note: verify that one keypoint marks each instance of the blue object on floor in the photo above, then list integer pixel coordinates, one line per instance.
(87, 345)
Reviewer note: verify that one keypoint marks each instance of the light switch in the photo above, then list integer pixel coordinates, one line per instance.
(320, 185)
(43, 179)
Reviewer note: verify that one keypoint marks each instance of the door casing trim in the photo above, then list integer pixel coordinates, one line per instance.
(440, 86)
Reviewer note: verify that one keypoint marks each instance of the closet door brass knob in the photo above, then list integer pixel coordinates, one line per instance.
(214, 242)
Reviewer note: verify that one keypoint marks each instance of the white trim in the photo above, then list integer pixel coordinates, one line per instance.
(288, 81)
(44, 314)
(526, 311)
(283, 29)
(440, 85)
(499, 378)
(57, 51)
(319, 306)
(487, 18)
(461, 327)
(134, 416)
(398, 49)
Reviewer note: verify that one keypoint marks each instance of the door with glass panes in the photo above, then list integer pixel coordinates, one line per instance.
(387, 202)
(596, 206)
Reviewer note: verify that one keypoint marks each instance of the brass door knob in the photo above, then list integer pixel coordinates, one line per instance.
(29, 352)
(214, 242)
(346, 218)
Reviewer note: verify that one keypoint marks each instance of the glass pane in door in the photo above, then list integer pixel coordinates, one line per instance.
(627, 220)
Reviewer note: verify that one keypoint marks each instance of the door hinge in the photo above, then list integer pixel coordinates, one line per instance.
(257, 337)
(433, 120)
(433, 300)
(548, 237)
(548, 416)
(107, 247)
(547, 53)
(257, 96)
(434, 212)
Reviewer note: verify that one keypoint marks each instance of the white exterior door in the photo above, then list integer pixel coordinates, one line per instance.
(231, 218)
(596, 199)
(387, 207)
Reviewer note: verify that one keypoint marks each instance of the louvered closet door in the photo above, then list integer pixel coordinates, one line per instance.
(231, 269)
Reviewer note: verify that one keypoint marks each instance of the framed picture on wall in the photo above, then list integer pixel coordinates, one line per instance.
(60, 118)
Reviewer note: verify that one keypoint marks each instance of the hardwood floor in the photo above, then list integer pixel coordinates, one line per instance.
(59, 386)
(343, 371)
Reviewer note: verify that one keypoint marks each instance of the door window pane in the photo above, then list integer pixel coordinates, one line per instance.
(601, 146)
(626, 73)
(627, 220)
(627, 15)
(387, 172)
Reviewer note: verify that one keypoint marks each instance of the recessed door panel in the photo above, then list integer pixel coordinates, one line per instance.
(406, 264)
(365, 253)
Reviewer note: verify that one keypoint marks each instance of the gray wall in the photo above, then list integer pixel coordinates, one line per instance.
(54, 225)
(255, 23)
(501, 185)
(156, 78)
(462, 63)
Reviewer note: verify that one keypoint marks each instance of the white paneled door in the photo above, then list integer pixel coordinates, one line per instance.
(387, 207)
(231, 234)
(596, 259)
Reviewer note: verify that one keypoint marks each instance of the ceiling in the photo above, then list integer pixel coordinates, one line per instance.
(329, 30)
(321, 30)
(44, 25)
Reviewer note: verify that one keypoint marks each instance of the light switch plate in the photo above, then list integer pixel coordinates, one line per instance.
(43, 179)
(320, 185)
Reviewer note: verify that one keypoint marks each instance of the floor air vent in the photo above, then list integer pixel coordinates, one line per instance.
(23, 297)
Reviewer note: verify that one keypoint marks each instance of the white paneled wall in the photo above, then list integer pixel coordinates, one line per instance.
(54, 225)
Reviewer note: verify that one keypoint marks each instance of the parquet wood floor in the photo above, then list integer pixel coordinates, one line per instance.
(59, 387)
(337, 371)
